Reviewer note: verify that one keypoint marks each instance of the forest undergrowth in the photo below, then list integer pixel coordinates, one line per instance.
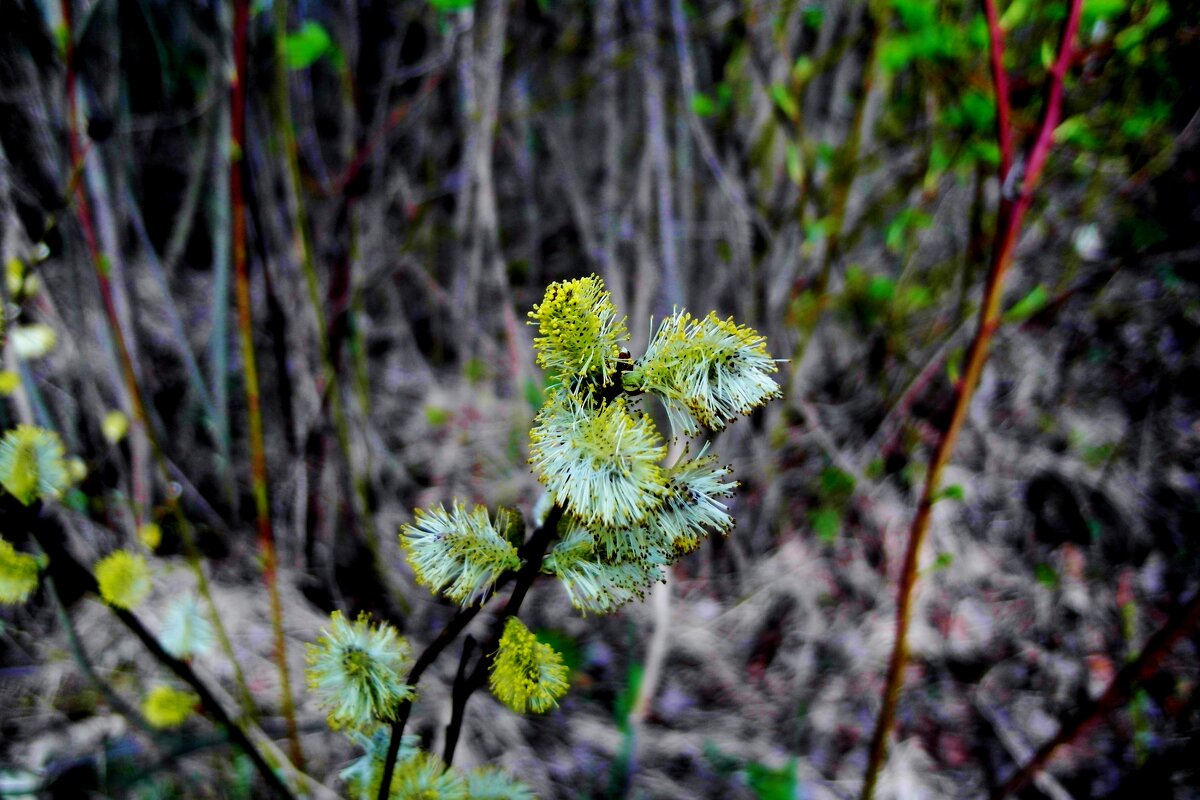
(268, 270)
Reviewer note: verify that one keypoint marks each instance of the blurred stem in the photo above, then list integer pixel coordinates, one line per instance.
(531, 554)
(85, 666)
(65, 568)
(1008, 228)
(100, 265)
(1004, 131)
(258, 459)
(1116, 694)
(842, 175)
(302, 244)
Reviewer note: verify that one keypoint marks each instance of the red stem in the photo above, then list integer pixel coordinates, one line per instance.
(1011, 216)
(258, 460)
(1004, 131)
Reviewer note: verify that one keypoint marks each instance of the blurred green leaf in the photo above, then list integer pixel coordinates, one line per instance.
(772, 784)
(803, 69)
(795, 163)
(1094, 10)
(436, 416)
(954, 364)
(451, 5)
(534, 394)
(953, 492)
(1027, 306)
(943, 561)
(564, 644)
(628, 694)
(302, 48)
(475, 370)
(896, 53)
(836, 484)
(703, 105)
(1046, 576)
(1015, 14)
(827, 523)
(783, 98)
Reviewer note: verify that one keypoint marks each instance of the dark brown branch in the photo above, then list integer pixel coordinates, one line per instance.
(1118, 692)
(66, 570)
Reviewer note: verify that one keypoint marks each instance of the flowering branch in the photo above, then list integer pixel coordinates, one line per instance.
(65, 570)
(1012, 213)
(532, 553)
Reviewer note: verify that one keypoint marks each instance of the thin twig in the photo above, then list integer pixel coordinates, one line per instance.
(1007, 232)
(258, 459)
(1115, 695)
(1004, 133)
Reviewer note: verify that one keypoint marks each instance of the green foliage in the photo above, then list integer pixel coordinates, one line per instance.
(1027, 306)
(302, 48)
(826, 523)
(450, 6)
(769, 783)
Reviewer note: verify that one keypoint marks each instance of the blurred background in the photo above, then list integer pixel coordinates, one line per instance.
(415, 172)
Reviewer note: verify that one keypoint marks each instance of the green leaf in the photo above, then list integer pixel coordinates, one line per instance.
(943, 561)
(816, 231)
(1014, 14)
(628, 694)
(534, 394)
(880, 289)
(1094, 10)
(450, 6)
(703, 105)
(785, 101)
(475, 370)
(795, 164)
(827, 523)
(1046, 576)
(953, 492)
(836, 484)
(1047, 54)
(896, 53)
(565, 645)
(954, 364)
(803, 69)
(1027, 306)
(772, 784)
(302, 48)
